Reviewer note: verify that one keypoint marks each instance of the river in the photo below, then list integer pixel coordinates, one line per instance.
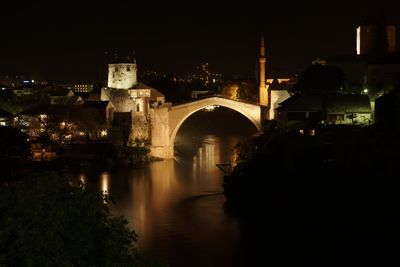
(177, 206)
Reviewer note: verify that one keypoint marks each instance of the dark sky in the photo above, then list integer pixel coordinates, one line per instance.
(67, 41)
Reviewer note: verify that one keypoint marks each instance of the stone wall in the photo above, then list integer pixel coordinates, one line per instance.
(122, 75)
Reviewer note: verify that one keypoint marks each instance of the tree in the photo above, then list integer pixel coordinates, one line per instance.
(319, 78)
(45, 221)
(14, 148)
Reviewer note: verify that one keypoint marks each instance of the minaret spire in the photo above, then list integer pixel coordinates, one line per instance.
(262, 47)
(263, 88)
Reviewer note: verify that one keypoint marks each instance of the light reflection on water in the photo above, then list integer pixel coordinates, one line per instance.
(176, 206)
(105, 180)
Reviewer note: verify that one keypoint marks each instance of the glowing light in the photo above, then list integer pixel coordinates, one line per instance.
(62, 124)
(358, 41)
(33, 81)
(82, 178)
(301, 131)
(311, 132)
(365, 90)
(103, 133)
(133, 94)
(104, 183)
(210, 107)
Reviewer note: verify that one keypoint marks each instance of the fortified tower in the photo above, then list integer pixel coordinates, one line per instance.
(122, 75)
(263, 88)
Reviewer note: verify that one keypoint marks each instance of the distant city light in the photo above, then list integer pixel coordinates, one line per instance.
(26, 81)
(33, 81)
(365, 90)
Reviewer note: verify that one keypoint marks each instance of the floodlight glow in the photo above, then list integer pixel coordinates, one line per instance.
(358, 41)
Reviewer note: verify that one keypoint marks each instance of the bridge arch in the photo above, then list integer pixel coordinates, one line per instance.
(179, 113)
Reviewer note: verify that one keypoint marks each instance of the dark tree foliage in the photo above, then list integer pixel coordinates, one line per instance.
(13, 143)
(319, 79)
(45, 221)
(15, 104)
(14, 148)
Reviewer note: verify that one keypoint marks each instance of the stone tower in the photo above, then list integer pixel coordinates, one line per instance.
(122, 75)
(263, 88)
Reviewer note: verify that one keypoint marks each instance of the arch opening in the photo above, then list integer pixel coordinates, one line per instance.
(218, 121)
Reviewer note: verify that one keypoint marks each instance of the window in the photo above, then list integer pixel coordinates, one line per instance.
(116, 68)
(138, 107)
(128, 68)
(332, 118)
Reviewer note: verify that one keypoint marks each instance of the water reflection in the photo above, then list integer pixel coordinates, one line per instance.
(105, 179)
(82, 179)
(176, 206)
(208, 154)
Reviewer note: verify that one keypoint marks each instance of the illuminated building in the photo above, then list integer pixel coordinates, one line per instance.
(375, 39)
(132, 100)
(122, 75)
(303, 111)
(278, 92)
(79, 88)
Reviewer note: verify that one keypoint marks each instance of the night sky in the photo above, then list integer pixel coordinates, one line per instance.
(67, 42)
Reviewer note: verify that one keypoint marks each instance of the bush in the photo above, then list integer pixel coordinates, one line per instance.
(45, 221)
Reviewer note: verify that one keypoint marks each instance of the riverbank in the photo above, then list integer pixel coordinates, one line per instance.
(339, 186)
(74, 158)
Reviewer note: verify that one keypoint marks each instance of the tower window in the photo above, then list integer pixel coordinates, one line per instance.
(128, 68)
(116, 68)
(137, 107)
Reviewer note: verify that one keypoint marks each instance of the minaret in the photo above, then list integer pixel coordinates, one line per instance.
(263, 88)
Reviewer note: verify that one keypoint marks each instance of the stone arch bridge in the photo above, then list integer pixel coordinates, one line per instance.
(166, 120)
